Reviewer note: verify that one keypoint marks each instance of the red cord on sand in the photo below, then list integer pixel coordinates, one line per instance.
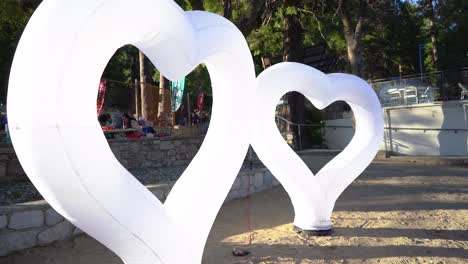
(248, 213)
(240, 252)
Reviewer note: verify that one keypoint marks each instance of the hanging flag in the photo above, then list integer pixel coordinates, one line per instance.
(200, 101)
(101, 96)
(177, 93)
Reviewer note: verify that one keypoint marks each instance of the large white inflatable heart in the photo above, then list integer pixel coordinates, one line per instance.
(314, 197)
(52, 116)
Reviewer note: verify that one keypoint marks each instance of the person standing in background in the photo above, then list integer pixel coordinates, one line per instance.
(117, 120)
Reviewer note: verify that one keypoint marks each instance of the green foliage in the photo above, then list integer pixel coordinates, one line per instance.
(14, 15)
(122, 65)
(198, 81)
(452, 28)
(214, 6)
(314, 116)
(392, 32)
(267, 40)
(121, 71)
(291, 10)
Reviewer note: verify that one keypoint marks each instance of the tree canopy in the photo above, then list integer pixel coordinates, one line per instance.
(371, 38)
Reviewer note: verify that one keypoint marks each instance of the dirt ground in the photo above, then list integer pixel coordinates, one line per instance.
(394, 213)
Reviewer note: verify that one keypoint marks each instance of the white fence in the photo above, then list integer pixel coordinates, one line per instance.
(440, 128)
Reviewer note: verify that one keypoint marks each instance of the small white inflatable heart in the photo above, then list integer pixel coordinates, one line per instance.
(314, 197)
(52, 115)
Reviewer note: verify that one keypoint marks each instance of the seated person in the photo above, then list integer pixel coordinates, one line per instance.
(105, 122)
(129, 122)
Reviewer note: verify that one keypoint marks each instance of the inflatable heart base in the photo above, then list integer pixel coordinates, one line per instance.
(315, 232)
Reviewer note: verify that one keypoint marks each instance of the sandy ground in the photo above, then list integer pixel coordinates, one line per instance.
(394, 213)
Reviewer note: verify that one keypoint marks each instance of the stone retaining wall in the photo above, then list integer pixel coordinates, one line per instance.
(154, 153)
(27, 225)
(132, 153)
(10, 168)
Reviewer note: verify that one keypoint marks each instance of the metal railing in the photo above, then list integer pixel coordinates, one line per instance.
(387, 136)
(446, 83)
(299, 130)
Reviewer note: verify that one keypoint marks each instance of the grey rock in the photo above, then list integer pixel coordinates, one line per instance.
(115, 150)
(77, 232)
(237, 184)
(147, 164)
(15, 241)
(180, 162)
(26, 219)
(60, 231)
(243, 193)
(3, 221)
(166, 145)
(156, 155)
(135, 148)
(276, 182)
(258, 180)
(267, 178)
(3, 168)
(14, 168)
(252, 190)
(181, 148)
(245, 179)
(233, 194)
(160, 195)
(52, 217)
(195, 141)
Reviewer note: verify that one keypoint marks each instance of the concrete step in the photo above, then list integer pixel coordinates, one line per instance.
(459, 161)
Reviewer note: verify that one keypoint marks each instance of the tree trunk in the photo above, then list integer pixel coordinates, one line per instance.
(143, 91)
(162, 85)
(149, 97)
(197, 4)
(353, 35)
(164, 113)
(293, 50)
(434, 38)
(136, 98)
(227, 5)
(254, 18)
(135, 105)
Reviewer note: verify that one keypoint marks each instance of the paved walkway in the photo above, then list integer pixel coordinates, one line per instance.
(394, 213)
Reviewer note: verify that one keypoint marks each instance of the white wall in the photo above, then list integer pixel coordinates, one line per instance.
(338, 137)
(407, 135)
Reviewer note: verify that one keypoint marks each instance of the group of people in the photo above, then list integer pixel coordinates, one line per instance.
(197, 117)
(137, 128)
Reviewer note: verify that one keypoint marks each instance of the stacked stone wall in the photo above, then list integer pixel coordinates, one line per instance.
(28, 225)
(144, 153)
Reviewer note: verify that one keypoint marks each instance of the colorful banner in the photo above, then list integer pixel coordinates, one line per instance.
(177, 94)
(200, 101)
(101, 96)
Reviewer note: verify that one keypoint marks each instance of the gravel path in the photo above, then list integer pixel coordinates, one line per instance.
(21, 192)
